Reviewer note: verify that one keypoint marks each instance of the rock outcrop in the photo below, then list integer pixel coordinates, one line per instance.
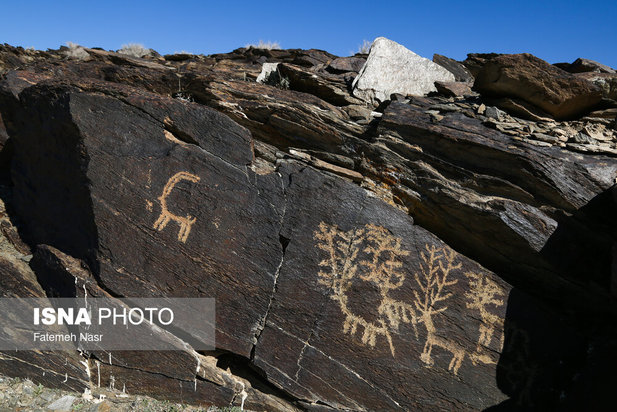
(391, 68)
(536, 82)
(585, 65)
(430, 252)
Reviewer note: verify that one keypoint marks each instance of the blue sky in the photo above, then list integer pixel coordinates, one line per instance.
(554, 31)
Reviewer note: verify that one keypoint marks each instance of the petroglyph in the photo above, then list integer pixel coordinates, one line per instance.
(382, 268)
(437, 264)
(185, 222)
(371, 254)
(482, 293)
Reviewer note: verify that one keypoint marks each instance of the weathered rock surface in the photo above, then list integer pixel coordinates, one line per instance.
(391, 68)
(460, 72)
(606, 82)
(533, 80)
(51, 368)
(581, 65)
(346, 64)
(512, 185)
(431, 253)
(307, 82)
(475, 61)
(365, 272)
(453, 89)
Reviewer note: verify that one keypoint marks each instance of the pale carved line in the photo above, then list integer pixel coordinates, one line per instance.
(432, 286)
(383, 270)
(185, 222)
(482, 293)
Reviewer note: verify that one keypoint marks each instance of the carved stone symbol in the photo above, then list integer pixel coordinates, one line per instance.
(432, 285)
(482, 294)
(382, 268)
(184, 222)
(371, 254)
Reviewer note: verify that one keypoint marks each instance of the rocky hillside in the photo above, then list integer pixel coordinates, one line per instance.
(380, 232)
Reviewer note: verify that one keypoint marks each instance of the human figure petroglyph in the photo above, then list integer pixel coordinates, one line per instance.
(184, 222)
(437, 264)
(382, 268)
(482, 293)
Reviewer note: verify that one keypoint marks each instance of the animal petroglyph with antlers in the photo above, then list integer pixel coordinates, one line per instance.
(372, 254)
(482, 293)
(381, 267)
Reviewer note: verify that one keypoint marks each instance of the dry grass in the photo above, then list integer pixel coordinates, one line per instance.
(267, 45)
(134, 50)
(76, 51)
(365, 47)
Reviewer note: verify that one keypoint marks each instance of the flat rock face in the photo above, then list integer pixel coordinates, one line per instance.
(453, 89)
(391, 68)
(136, 208)
(346, 64)
(374, 313)
(533, 80)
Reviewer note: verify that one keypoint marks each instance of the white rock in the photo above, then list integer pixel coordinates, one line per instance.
(266, 71)
(63, 404)
(392, 68)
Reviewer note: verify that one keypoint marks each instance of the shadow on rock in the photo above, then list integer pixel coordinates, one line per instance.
(561, 356)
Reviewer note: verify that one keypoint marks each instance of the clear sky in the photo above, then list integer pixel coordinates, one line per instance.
(554, 31)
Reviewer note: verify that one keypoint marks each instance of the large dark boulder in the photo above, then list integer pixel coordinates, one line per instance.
(533, 80)
(581, 65)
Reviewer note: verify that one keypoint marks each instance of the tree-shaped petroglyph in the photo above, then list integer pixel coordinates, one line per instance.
(371, 254)
(380, 265)
(482, 293)
(436, 266)
(185, 222)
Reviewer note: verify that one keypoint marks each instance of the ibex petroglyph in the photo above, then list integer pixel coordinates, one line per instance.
(184, 222)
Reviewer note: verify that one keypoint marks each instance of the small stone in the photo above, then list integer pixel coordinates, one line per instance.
(104, 406)
(481, 109)
(435, 118)
(63, 404)
(267, 70)
(453, 89)
(582, 138)
(445, 108)
(545, 138)
(494, 113)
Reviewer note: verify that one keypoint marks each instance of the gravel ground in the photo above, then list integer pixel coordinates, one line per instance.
(24, 395)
